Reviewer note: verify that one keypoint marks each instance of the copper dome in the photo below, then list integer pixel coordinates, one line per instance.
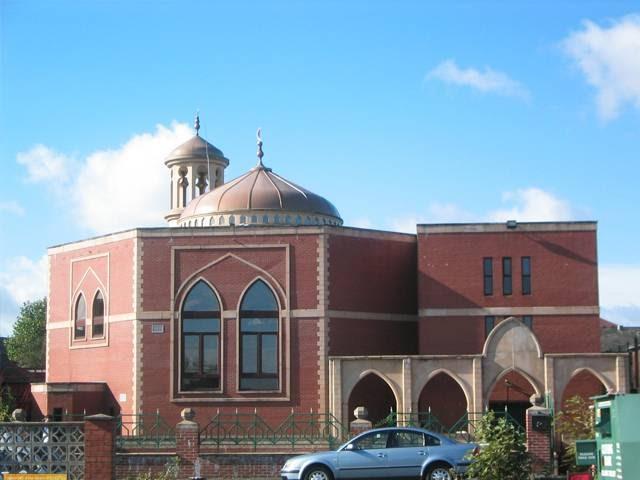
(259, 197)
(196, 147)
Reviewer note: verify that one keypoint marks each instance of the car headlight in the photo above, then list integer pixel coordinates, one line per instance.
(290, 466)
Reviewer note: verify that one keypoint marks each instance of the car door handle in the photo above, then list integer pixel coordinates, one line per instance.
(421, 452)
(381, 455)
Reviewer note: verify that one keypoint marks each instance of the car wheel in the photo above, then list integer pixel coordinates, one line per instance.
(439, 471)
(318, 472)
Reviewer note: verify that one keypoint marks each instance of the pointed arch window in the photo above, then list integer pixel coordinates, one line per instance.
(97, 316)
(80, 318)
(200, 337)
(259, 332)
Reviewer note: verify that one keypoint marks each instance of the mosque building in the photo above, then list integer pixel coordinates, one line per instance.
(257, 297)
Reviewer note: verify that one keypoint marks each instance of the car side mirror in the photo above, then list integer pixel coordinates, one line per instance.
(350, 446)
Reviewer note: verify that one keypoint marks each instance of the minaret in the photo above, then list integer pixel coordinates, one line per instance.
(196, 167)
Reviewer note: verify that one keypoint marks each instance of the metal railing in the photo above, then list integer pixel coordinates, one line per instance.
(144, 430)
(41, 447)
(296, 430)
(463, 429)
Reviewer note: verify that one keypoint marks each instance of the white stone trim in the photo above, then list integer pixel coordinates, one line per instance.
(389, 317)
(61, 387)
(254, 218)
(323, 322)
(93, 242)
(47, 351)
(509, 311)
(229, 231)
(502, 227)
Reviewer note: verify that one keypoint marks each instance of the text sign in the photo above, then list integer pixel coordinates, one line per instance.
(586, 452)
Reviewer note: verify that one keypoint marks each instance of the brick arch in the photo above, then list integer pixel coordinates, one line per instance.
(448, 407)
(272, 281)
(538, 390)
(381, 377)
(463, 386)
(581, 383)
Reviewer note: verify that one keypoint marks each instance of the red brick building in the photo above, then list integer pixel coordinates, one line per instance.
(256, 296)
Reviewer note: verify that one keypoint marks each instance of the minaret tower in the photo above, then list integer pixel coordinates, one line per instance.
(196, 167)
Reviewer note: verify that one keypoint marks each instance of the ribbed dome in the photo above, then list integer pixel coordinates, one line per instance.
(260, 197)
(196, 147)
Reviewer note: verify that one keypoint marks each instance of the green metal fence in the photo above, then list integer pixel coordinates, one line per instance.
(251, 430)
(463, 429)
(144, 430)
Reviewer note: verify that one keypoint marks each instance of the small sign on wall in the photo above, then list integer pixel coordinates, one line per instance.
(122, 397)
(157, 328)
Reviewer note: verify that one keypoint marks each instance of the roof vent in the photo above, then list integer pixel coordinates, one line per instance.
(512, 224)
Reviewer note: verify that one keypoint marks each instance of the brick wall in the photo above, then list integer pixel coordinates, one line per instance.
(564, 274)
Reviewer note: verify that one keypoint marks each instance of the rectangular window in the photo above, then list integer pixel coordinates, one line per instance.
(526, 275)
(507, 278)
(487, 268)
(489, 323)
(528, 321)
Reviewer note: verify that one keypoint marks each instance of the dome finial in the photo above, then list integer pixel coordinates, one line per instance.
(196, 123)
(260, 153)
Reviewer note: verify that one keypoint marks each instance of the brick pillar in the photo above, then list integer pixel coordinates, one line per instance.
(539, 438)
(187, 442)
(99, 447)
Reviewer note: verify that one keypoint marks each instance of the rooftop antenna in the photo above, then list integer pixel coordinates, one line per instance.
(260, 153)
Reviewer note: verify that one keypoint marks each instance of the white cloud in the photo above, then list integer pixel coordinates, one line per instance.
(532, 205)
(12, 207)
(362, 222)
(24, 279)
(45, 164)
(486, 81)
(129, 186)
(608, 57)
(620, 286)
(113, 189)
(449, 213)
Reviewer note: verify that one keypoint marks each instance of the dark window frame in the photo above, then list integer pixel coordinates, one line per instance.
(525, 265)
(80, 331)
(487, 275)
(97, 315)
(507, 276)
(489, 324)
(201, 378)
(259, 336)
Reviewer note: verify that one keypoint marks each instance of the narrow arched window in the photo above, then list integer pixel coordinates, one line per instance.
(200, 336)
(259, 319)
(97, 316)
(80, 318)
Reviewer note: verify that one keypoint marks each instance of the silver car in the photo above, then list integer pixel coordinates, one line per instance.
(389, 453)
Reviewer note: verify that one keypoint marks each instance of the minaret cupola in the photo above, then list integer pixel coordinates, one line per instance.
(196, 167)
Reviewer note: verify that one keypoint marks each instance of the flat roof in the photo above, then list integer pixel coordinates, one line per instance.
(509, 226)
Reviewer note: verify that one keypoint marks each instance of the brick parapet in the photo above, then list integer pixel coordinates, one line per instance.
(538, 443)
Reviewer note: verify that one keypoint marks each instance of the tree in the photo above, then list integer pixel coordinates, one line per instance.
(26, 345)
(574, 422)
(503, 452)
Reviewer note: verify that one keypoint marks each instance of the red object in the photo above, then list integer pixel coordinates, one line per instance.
(579, 476)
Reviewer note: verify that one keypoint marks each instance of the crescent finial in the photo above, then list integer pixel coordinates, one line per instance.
(260, 153)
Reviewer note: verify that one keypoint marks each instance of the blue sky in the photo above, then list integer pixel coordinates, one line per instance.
(398, 112)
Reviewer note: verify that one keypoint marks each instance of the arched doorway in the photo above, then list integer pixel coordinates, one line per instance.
(511, 393)
(583, 384)
(444, 398)
(376, 395)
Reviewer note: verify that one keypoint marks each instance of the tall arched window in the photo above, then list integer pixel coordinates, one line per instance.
(200, 362)
(97, 316)
(259, 319)
(80, 318)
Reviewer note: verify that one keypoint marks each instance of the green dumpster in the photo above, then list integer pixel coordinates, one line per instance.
(617, 420)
